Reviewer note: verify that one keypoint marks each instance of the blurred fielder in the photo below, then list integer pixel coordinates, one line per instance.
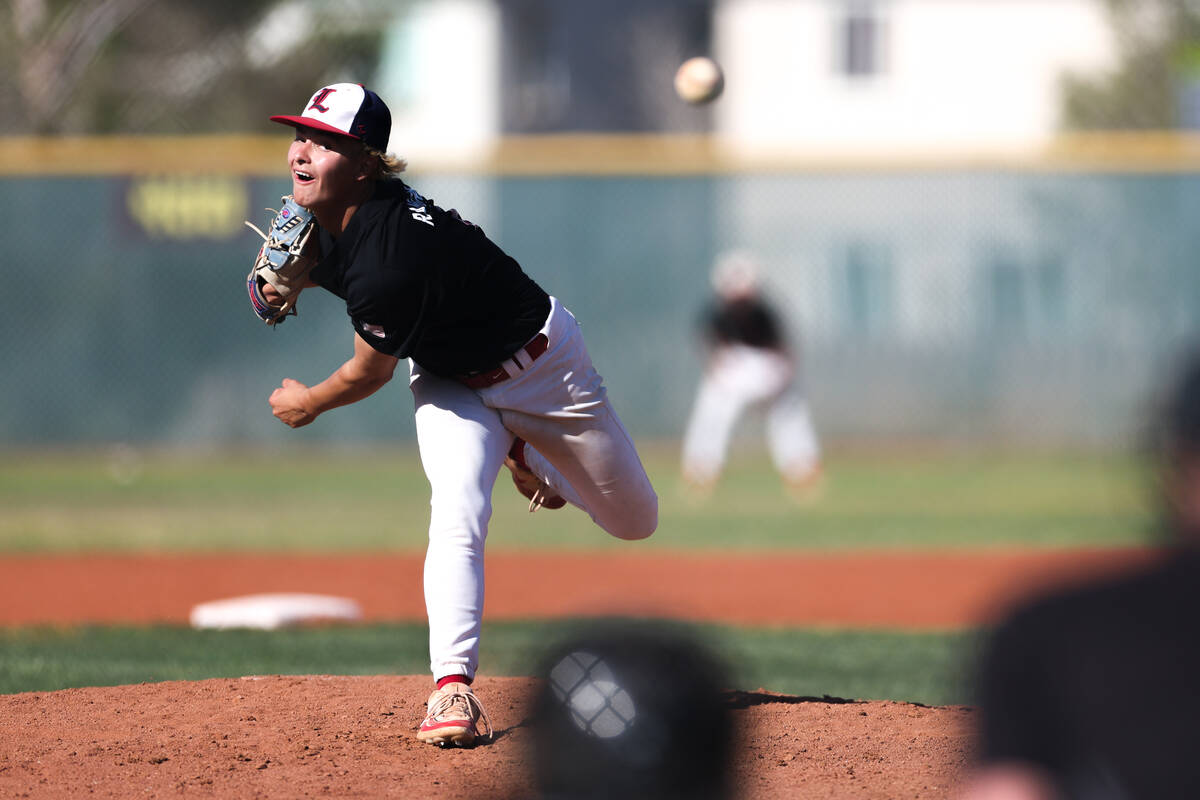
(750, 365)
(498, 369)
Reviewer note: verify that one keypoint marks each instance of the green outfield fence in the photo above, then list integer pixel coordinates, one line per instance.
(1033, 299)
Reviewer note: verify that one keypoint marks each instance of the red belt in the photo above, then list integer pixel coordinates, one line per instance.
(490, 377)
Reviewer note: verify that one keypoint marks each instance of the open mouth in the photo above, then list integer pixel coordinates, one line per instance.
(302, 177)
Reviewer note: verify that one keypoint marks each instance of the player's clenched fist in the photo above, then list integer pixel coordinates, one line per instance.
(288, 404)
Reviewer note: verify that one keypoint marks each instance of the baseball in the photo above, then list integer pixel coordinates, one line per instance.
(699, 80)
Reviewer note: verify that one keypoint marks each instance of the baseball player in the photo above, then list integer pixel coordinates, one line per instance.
(498, 370)
(749, 365)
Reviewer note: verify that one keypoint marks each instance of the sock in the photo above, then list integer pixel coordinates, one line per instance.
(441, 682)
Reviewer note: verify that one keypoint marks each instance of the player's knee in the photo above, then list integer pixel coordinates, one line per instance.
(644, 531)
(639, 521)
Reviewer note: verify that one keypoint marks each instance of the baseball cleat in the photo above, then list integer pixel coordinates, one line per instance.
(452, 717)
(528, 484)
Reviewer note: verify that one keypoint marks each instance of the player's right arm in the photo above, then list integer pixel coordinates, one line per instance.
(361, 376)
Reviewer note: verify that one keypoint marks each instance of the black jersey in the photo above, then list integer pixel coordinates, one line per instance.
(748, 321)
(1097, 685)
(420, 282)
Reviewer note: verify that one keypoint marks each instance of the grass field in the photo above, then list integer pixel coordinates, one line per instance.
(918, 667)
(377, 500)
(294, 500)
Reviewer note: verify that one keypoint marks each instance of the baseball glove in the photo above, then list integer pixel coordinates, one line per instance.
(283, 261)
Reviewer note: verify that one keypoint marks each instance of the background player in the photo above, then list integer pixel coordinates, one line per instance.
(498, 371)
(749, 364)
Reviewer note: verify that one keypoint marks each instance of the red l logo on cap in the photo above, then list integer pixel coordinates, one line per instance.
(319, 98)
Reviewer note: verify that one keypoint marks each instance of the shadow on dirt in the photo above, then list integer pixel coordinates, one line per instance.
(738, 699)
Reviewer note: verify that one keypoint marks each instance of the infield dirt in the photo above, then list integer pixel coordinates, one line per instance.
(327, 736)
(896, 589)
(334, 736)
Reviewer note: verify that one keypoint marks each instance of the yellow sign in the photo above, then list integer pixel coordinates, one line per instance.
(189, 207)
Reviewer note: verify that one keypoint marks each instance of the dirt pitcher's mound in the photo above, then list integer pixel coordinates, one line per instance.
(313, 736)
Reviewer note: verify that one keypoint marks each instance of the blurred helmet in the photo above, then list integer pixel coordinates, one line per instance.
(634, 712)
(735, 274)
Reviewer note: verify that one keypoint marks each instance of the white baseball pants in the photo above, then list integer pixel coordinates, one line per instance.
(576, 444)
(739, 378)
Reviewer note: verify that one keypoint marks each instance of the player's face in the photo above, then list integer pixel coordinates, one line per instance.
(326, 169)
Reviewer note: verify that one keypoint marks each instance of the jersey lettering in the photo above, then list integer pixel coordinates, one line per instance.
(416, 207)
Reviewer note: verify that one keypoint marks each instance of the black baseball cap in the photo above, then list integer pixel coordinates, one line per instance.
(347, 109)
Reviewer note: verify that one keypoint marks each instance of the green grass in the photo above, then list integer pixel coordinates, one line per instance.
(298, 500)
(917, 667)
(377, 500)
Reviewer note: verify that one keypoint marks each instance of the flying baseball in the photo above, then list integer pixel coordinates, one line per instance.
(699, 80)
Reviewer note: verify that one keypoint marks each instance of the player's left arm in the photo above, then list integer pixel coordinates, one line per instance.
(361, 376)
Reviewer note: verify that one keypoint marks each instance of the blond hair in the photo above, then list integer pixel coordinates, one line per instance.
(385, 165)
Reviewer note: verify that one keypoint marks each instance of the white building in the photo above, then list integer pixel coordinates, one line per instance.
(440, 76)
(831, 76)
(922, 76)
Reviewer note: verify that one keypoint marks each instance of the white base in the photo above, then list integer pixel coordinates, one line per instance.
(272, 611)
